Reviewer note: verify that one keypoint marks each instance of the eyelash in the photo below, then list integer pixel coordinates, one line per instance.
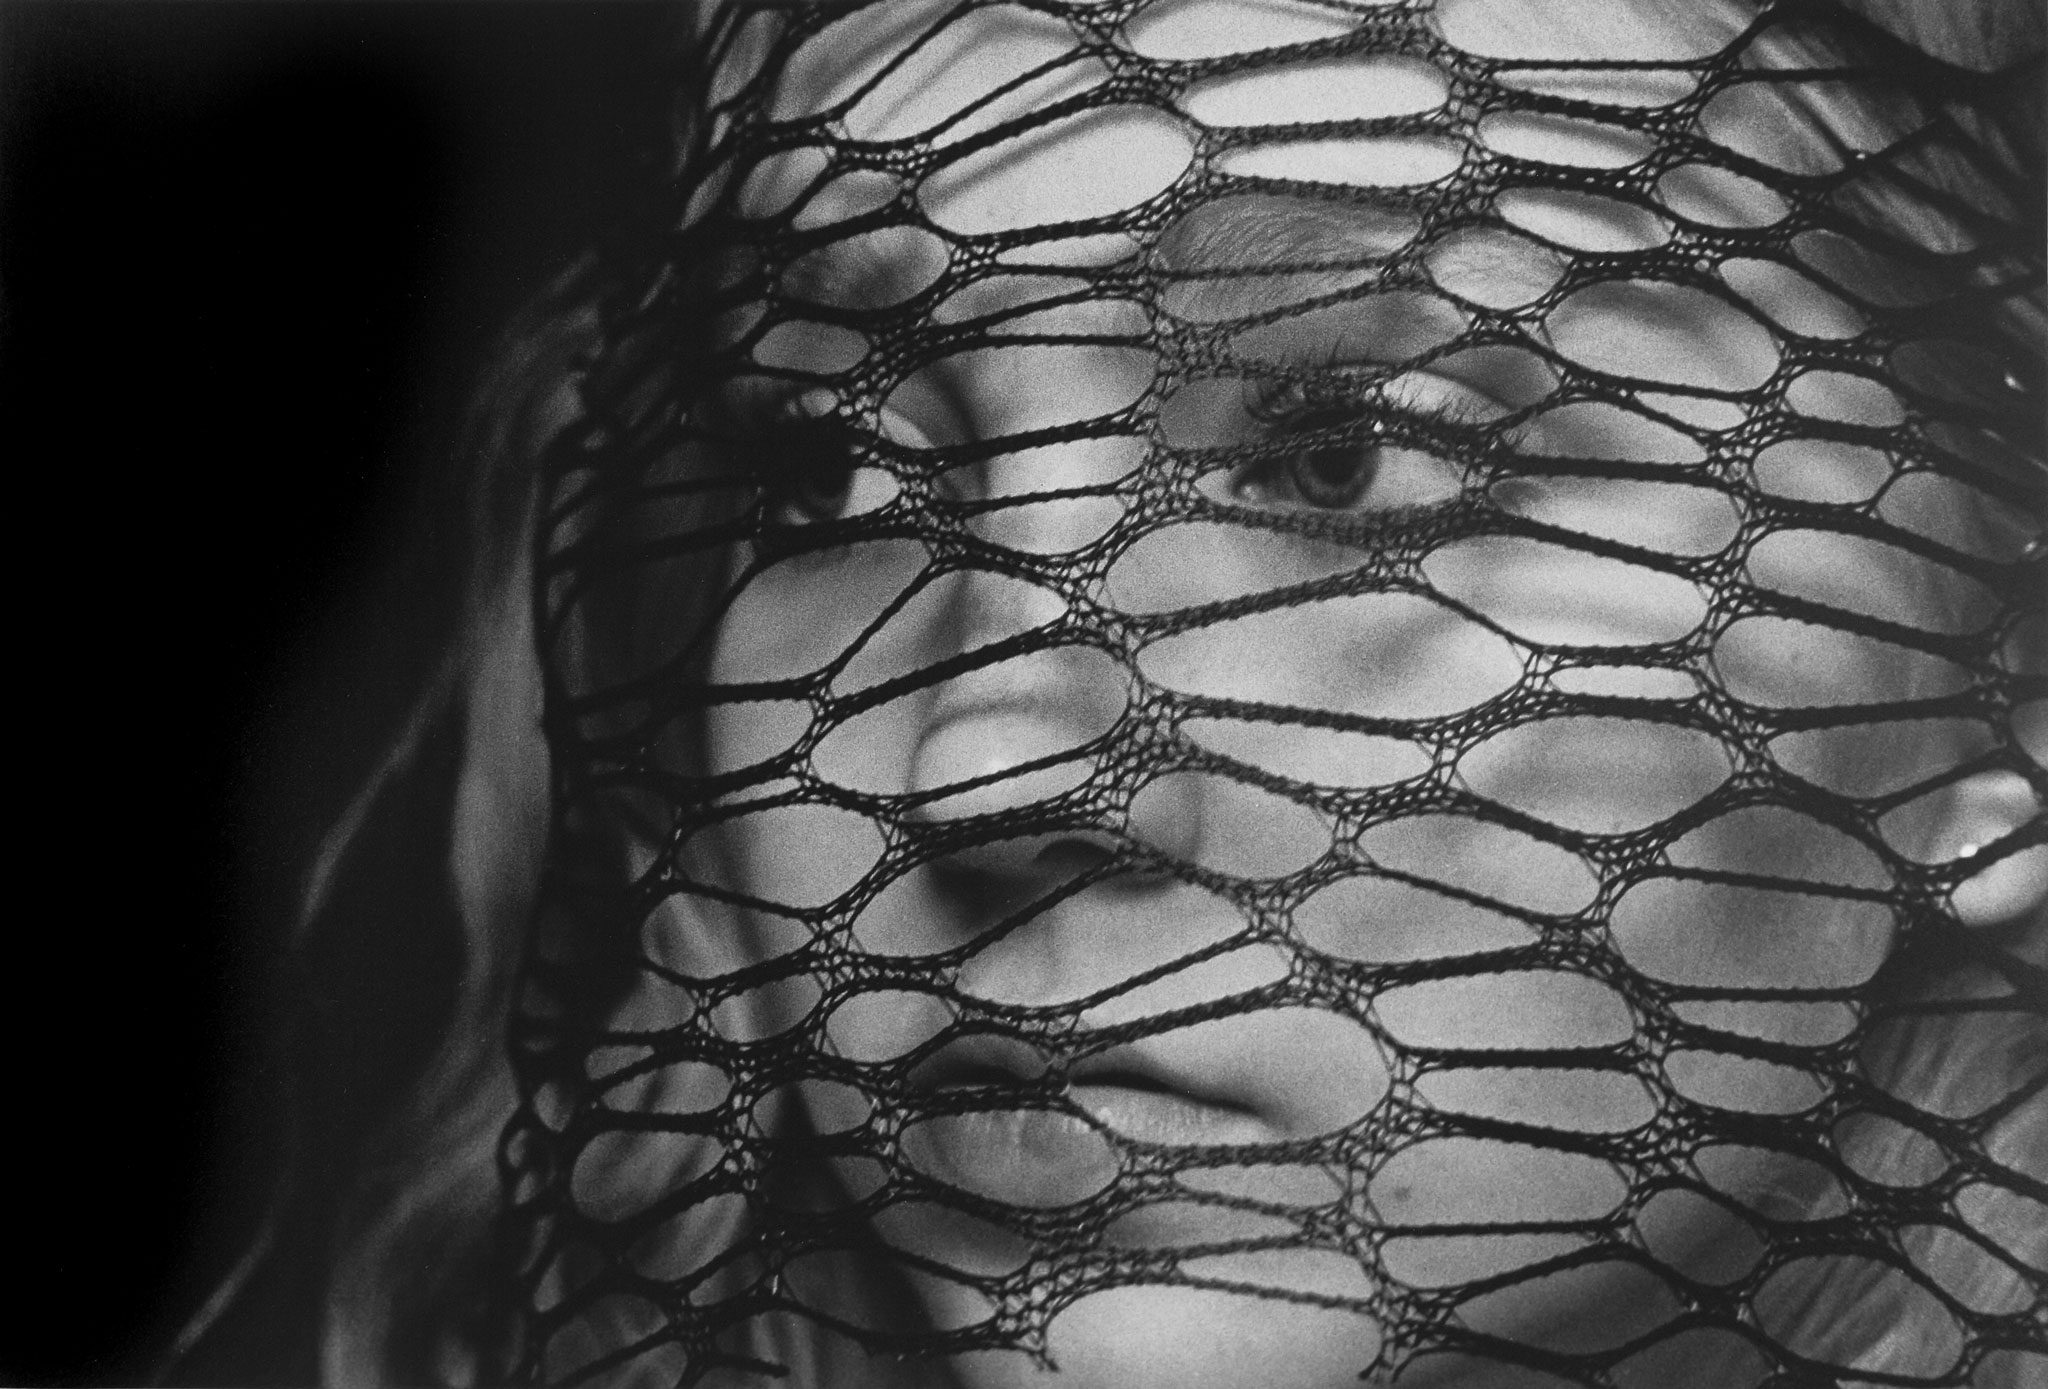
(809, 465)
(795, 442)
(793, 447)
(1287, 410)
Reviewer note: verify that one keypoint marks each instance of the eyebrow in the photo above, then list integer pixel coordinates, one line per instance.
(1224, 257)
(1224, 243)
(862, 271)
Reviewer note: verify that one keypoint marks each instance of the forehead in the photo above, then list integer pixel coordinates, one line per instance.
(1275, 151)
(1031, 118)
(941, 50)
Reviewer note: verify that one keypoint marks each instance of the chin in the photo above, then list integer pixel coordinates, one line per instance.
(1187, 1338)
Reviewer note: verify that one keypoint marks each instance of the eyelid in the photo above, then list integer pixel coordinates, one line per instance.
(833, 451)
(1295, 427)
(1416, 394)
(1442, 397)
(899, 428)
(822, 403)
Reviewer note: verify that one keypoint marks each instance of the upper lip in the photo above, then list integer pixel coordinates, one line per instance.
(980, 1058)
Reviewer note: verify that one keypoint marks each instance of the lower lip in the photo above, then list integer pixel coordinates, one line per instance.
(1044, 1158)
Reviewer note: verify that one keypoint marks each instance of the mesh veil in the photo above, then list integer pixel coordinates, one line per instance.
(1832, 548)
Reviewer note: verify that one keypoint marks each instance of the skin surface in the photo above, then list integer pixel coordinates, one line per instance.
(1294, 1072)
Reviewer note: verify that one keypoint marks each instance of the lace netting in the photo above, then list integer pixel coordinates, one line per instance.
(1703, 386)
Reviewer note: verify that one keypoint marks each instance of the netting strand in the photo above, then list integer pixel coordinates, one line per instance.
(1314, 658)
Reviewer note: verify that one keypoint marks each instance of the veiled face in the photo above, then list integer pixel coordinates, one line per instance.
(1288, 856)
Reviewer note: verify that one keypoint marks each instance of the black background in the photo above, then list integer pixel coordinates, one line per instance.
(250, 256)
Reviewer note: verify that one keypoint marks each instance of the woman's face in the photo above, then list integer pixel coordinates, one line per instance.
(1280, 920)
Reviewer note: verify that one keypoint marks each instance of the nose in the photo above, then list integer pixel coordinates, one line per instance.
(1008, 737)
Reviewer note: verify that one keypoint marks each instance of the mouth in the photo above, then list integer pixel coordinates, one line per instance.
(1148, 1098)
(1146, 1114)
(1011, 1147)
(998, 1062)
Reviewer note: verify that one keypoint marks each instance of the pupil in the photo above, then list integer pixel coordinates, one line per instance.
(1333, 477)
(819, 476)
(823, 487)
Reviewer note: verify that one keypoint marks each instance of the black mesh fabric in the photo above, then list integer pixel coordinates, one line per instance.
(1574, 751)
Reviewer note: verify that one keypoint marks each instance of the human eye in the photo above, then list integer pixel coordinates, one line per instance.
(1388, 450)
(814, 463)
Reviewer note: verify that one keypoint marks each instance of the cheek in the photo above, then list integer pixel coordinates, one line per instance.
(751, 733)
(1142, 1337)
(1378, 655)
(1780, 663)
(1554, 594)
(1186, 1338)
(801, 614)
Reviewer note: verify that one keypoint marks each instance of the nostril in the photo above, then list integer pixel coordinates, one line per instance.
(1180, 814)
(1004, 745)
(1070, 856)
